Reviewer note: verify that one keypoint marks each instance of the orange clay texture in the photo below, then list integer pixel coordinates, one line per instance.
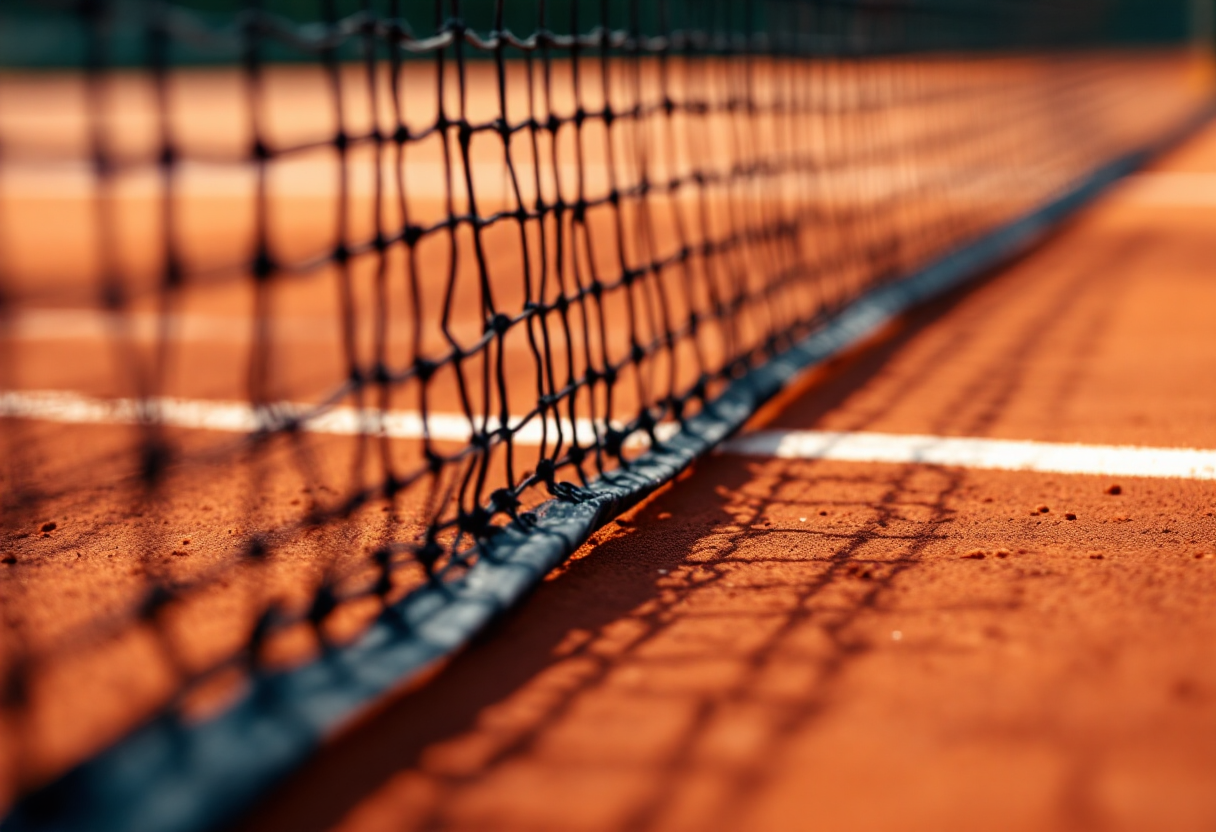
(798, 645)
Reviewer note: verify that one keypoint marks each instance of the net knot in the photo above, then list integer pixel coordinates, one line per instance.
(646, 421)
(476, 523)
(424, 368)
(614, 442)
(434, 462)
(505, 500)
(499, 324)
(546, 472)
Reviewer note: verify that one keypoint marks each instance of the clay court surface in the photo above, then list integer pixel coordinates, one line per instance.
(788, 644)
(767, 643)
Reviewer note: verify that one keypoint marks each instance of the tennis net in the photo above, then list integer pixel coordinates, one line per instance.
(327, 329)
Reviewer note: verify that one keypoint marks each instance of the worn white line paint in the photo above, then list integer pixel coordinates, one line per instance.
(239, 417)
(1000, 454)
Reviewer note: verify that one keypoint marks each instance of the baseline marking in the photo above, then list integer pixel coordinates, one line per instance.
(996, 454)
(240, 417)
(67, 407)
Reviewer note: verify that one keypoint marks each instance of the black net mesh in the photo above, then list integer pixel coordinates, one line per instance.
(302, 303)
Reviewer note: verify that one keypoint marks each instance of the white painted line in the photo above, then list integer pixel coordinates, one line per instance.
(998, 454)
(1191, 190)
(240, 417)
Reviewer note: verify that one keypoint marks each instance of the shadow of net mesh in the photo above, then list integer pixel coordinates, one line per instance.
(301, 303)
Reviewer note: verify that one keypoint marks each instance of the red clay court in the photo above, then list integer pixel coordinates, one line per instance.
(801, 417)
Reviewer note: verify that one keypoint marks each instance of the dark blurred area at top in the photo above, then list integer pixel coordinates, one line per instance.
(78, 33)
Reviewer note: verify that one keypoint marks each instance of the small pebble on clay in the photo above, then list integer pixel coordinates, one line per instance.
(1114, 489)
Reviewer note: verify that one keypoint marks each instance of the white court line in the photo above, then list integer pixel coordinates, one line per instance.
(998, 454)
(238, 417)
(1197, 189)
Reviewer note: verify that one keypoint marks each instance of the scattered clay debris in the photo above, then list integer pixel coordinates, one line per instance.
(1114, 489)
(1002, 553)
(823, 514)
(1042, 509)
(976, 554)
(10, 559)
(186, 542)
(49, 526)
(179, 553)
(1097, 556)
(1070, 516)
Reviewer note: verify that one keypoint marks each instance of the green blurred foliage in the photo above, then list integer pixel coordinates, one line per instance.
(71, 33)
